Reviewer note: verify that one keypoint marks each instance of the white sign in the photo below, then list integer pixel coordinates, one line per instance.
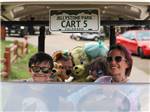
(74, 20)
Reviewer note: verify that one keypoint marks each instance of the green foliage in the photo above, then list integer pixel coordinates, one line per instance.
(19, 70)
(3, 44)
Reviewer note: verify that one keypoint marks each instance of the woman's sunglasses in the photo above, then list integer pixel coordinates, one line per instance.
(37, 69)
(115, 58)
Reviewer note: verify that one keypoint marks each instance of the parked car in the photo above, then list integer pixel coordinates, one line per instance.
(75, 36)
(88, 36)
(16, 31)
(37, 30)
(137, 41)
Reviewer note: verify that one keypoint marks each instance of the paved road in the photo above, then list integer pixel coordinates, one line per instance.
(61, 41)
(142, 64)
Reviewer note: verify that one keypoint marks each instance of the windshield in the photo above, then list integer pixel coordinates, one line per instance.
(77, 73)
(29, 97)
(145, 35)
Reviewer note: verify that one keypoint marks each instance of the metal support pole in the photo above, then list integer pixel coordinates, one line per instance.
(41, 40)
(30, 26)
(112, 36)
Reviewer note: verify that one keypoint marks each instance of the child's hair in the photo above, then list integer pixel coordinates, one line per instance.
(39, 58)
(99, 63)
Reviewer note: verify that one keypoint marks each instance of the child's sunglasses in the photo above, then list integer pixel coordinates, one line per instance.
(37, 69)
(115, 58)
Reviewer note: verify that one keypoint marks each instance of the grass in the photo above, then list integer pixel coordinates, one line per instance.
(3, 44)
(19, 70)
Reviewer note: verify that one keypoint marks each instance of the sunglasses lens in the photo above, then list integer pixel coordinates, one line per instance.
(109, 59)
(45, 69)
(118, 58)
(36, 69)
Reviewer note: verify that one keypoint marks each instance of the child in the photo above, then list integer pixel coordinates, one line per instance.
(40, 67)
(97, 68)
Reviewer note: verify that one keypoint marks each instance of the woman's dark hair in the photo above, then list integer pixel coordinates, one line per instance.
(127, 55)
(40, 57)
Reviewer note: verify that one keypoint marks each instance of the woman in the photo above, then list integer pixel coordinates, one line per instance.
(119, 62)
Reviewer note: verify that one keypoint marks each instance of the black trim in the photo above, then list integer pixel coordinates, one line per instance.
(103, 22)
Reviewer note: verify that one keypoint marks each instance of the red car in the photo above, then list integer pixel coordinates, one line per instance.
(137, 41)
